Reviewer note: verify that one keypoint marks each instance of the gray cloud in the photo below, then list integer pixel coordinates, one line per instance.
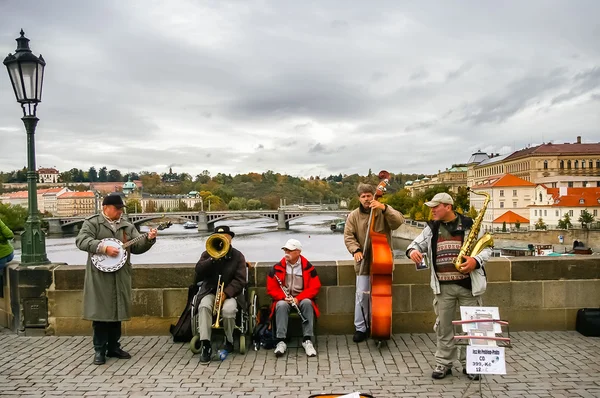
(312, 87)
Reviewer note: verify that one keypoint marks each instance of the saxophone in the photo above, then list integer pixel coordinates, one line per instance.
(218, 303)
(471, 246)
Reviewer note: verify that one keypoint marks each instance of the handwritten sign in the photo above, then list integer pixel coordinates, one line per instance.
(486, 360)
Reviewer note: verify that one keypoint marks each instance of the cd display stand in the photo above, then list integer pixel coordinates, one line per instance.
(485, 336)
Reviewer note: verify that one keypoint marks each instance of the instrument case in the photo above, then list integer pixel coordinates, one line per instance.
(588, 322)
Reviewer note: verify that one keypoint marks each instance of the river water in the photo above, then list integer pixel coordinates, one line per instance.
(258, 239)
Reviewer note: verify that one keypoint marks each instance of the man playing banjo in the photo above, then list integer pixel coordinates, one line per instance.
(107, 292)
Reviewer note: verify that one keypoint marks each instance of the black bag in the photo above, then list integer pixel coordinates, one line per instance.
(588, 322)
(182, 331)
(263, 335)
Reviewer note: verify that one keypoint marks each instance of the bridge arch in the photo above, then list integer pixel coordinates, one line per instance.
(206, 220)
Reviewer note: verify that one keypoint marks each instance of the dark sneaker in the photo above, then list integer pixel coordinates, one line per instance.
(473, 377)
(205, 354)
(228, 347)
(441, 371)
(118, 353)
(359, 336)
(99, 358)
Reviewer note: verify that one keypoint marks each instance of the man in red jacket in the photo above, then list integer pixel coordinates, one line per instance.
(293, 283)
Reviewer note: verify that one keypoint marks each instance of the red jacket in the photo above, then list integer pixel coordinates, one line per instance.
(310, 279)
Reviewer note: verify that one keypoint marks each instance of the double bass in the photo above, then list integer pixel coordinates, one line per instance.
(382, 265)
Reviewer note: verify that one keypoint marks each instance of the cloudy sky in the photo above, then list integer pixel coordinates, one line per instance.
(300, 87)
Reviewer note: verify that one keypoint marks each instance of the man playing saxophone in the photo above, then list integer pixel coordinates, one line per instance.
(462, 285)
(220, 264)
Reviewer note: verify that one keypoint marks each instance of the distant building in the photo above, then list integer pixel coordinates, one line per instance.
(170, 202)
(551, 204)
(510, 197)
(554, 165)
(49, 202)
(46, 199)
(76, 204)
(48, 175)
(454, 178)
(129, 187)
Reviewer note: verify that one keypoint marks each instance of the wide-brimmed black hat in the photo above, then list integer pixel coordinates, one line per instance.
(114, 200)
(224, 229)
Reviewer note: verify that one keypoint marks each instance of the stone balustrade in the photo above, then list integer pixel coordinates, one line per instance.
(533, 293)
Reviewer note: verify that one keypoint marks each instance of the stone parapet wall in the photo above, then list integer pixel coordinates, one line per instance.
(536, 293)
(591, 238)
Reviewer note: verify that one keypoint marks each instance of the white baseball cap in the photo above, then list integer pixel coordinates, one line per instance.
(292, 244)
(439, 198)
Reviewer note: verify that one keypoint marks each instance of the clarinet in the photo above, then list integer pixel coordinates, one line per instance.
(289, 297)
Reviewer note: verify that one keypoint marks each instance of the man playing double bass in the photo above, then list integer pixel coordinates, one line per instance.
(386, 219)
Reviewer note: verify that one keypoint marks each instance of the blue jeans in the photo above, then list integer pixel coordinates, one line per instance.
(5, 260)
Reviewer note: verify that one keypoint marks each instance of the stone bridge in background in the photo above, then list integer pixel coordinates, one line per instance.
(206, 219)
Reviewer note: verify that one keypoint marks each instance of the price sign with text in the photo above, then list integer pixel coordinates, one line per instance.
(486, 360)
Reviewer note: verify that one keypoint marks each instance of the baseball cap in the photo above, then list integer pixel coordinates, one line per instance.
(439, 198)
(292, 244)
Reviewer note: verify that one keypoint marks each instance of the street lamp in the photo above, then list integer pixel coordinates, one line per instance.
(26, 72)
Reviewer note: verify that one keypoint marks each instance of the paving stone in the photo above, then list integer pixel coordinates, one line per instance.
(540, 364)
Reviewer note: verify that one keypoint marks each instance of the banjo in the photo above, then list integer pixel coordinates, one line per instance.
(107, 263)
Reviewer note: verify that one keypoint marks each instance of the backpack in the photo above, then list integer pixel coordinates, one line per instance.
(263, 335)
(182, 330)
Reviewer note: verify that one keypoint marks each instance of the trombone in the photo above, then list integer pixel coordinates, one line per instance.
(218, 303)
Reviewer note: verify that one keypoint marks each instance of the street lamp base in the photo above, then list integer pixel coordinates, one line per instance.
(33, 246)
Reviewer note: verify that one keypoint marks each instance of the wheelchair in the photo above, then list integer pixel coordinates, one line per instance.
(245, 320)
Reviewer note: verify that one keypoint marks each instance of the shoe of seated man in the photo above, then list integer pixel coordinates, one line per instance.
(205, 353)
(471, 376)
(441, 371)
(280, 349)
(359, 336)
(309, 348)
(228, 346)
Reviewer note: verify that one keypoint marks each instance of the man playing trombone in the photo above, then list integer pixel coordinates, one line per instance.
(221, 270)
(293, 284)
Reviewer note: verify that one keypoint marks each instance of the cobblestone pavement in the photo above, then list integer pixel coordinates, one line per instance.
(545, 364)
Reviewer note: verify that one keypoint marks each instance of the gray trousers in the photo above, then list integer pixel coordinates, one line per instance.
(282, 314)
(445, 305)
(362, 302)
(205, 317)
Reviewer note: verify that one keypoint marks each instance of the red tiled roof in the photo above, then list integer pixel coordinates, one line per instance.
(68, 195)
(576, 197)
(49, 170)
(511, 217)
(51, 190)
(557, 149)
(17, 195)
(506, 180)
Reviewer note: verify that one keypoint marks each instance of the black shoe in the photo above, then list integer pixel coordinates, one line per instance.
(99, 358)
(473, 377)
(119, 354)
(441, 371)
(228, 347)
(359, 336)
(205, 353)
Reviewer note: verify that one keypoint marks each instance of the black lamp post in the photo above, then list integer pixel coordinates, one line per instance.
(26, 72)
